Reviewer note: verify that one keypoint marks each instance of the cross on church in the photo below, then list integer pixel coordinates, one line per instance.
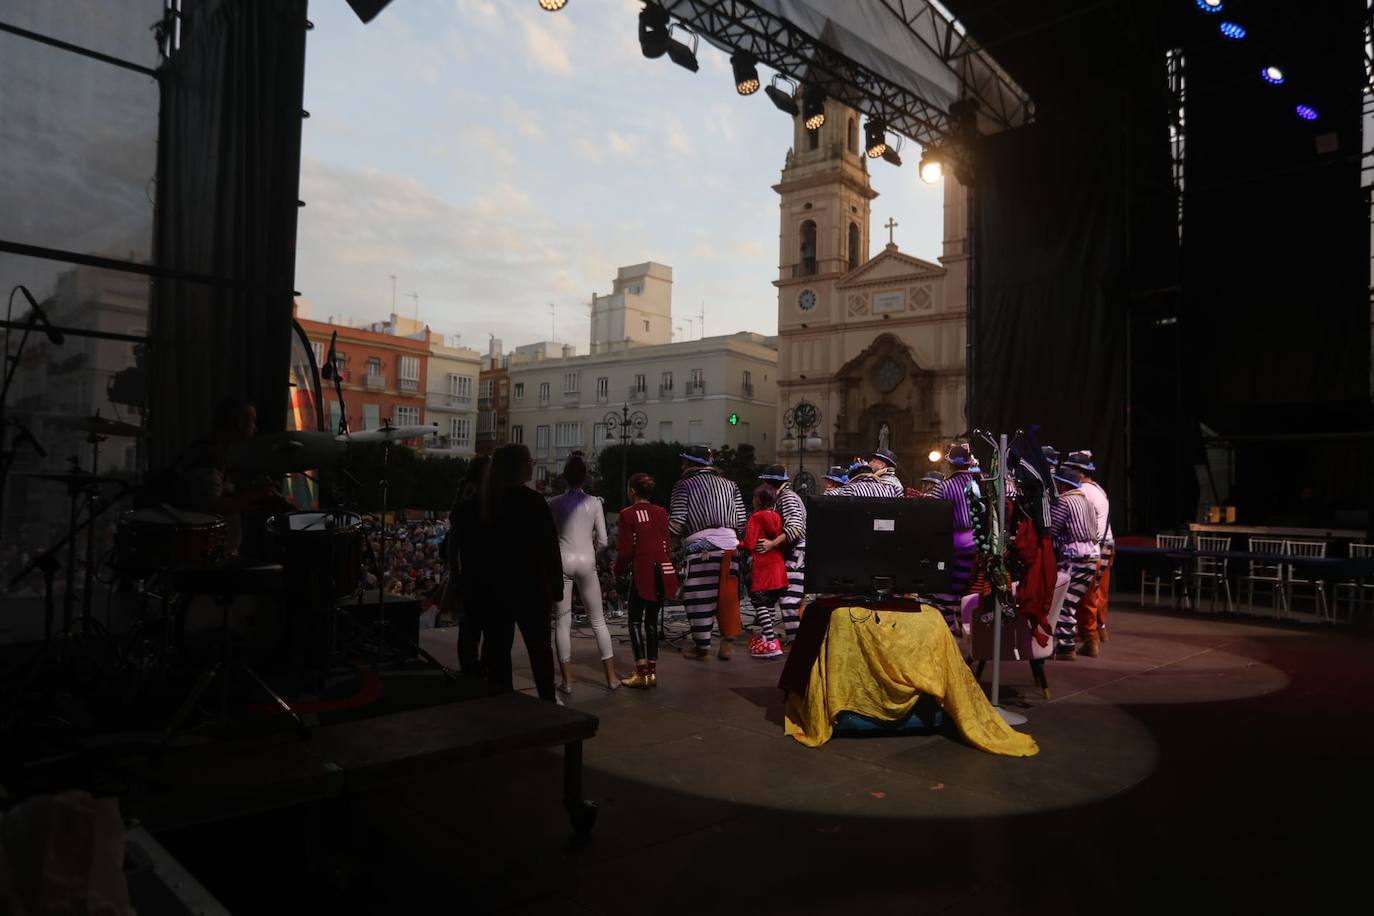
(889, 226)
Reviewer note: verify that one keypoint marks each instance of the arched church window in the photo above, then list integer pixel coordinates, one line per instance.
(808, 248)
(853, 245)
(853, 136)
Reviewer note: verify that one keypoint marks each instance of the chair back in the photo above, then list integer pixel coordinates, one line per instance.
(1303, 549)
(1172, 541)
(1362, 551)
(1267, 570)
(1212, 566)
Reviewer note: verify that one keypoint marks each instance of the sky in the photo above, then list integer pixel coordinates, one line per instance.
(498, 158)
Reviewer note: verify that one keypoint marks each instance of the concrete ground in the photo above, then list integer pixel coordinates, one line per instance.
(1197, 761)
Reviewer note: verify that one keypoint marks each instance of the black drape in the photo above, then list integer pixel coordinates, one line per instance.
(1050, 316)
(227, 187)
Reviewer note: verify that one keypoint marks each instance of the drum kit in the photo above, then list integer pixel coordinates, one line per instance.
(325, 555)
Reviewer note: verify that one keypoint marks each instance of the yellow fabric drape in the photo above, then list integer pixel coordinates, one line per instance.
(877, 665)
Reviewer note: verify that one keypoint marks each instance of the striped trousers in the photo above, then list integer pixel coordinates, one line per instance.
(1093, 612)
(1082, 574)
(701, 591)
(791, 602)
(948, 602)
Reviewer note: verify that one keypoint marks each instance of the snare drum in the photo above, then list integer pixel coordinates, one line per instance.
(147, 540)
(321, 551)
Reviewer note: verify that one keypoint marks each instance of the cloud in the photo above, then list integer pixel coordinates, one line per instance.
(478, 12)
(547, 39)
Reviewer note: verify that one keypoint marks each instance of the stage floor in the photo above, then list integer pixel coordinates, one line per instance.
(1197, 759)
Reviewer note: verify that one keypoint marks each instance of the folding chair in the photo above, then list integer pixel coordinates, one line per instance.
(1169, 542)
(1359, 588)
(1266, 573)
(1307, 549)
(1213, 572)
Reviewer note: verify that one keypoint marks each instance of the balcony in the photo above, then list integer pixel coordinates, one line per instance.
(450, 444)
(665, 392)
(374, 381)
(562, 452)
(638, 395)
(748, 389)
(409, 384)
(696, 389)
(484, 403)
(449, 400)
(571, 397)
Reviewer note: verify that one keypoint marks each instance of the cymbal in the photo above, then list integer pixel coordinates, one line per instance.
(100, 426)
(390, 433)
(283, 453)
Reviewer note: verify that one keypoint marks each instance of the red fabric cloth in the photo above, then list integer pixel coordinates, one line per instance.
(1035, 590)
(769, 571)
(643, 546)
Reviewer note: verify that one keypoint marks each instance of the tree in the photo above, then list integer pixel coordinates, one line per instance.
(740, 466)
(662, 460)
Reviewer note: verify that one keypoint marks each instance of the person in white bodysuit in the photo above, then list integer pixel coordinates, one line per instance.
(579, 517)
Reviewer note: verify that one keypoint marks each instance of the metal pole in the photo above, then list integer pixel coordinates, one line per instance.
(999, 545)
(624, 451)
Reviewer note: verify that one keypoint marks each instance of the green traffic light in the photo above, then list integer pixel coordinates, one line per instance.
(734, 419)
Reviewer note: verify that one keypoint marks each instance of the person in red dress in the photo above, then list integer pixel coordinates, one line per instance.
(642, 551)
(767, 575)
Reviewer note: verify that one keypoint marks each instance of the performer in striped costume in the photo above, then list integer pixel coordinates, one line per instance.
(863, 482)
(932, 481)
(835, 477)
(1073, 525)
(956, 488)
(707, 512)
(1092, 617)
(793, 541)
(884, 466)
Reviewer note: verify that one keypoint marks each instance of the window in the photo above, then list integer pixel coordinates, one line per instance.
(460, 431)
(598, 436)
(541, 442)
(603, 388)
(410, 373)
(853, 136)
(748, 379)
(541, 474)
(665, 430)
(698, 377)
(646, 326)
(317, 348)
(517, 435)
(543, 392)
(372, 416)
(406, 416)
(341, 361)
(486, 422)
(567, 435)
(666, 381)
(334, 414)
(520, 391)
(460, 386)
(853, 245)
(641, 383)
(485, 388)
(694, 433)
(374, 366)
(808, 247)
(570, 383)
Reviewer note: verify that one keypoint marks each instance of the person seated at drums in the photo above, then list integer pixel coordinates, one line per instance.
(207, 486)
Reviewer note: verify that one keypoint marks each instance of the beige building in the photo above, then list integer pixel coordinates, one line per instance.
(450, 400)
(688, 391)
(877, 344)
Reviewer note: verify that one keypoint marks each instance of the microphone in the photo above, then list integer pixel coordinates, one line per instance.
(56, 336)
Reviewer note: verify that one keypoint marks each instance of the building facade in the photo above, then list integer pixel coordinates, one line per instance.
(453, 379)
(383, 374)
(877, 344)
(493, 399)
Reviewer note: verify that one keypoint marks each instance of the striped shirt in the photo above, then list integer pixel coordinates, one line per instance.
(888, 477)
(864, 485)
(1098, 497)
(1073, 525)
(793, 511)
(955, 489)
(703, 499)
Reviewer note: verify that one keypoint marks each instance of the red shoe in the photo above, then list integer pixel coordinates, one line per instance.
(765, 649)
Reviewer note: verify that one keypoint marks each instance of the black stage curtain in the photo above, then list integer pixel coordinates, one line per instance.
(1049, 329)
(227, 188)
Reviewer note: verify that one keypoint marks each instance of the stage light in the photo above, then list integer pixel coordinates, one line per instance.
(875, 139)
(934, 456)
(813, 107)
(553, 6)
(1210, 6)
(785, 101)
(678, 51)
(890, 155)
(1307, 112)
(932, 167)
(653, 31)
(1232, 30)
(746, 73)
(1273, 75)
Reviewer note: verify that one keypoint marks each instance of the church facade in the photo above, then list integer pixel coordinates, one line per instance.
(877, 344)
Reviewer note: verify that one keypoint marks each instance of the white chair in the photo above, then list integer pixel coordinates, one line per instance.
(1265, 573)
(1307, 549)
(1360, 589)
(1168, 542)
(1212, 571)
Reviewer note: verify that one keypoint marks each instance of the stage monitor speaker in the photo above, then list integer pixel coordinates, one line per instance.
(368, 9)
(402, 617)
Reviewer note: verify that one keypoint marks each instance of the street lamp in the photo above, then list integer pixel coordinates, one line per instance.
(802, 423)
(631, 424)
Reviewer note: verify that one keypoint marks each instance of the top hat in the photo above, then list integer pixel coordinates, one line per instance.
(883, 454)
(1068, 475)
(1051, 455)
(961, 456)
(837, 474)
(774, 472)
(699, 454)
(1082, 460)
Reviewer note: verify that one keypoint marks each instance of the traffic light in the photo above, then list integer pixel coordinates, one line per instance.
(734, 419)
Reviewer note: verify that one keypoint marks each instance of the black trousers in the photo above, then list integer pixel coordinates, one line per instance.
(644, 626)
(498, 623)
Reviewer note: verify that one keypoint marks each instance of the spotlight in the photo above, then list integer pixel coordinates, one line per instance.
(678, 51)
(932, 167)
(746, 73)
(653, 31)
(553, 6)
(1307, 112)
(1273, 75)
(875, 140)
(1232, 30)
(813, 107)
(935, 456)
(1210, 6)
(785, 101)
(890, 155)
